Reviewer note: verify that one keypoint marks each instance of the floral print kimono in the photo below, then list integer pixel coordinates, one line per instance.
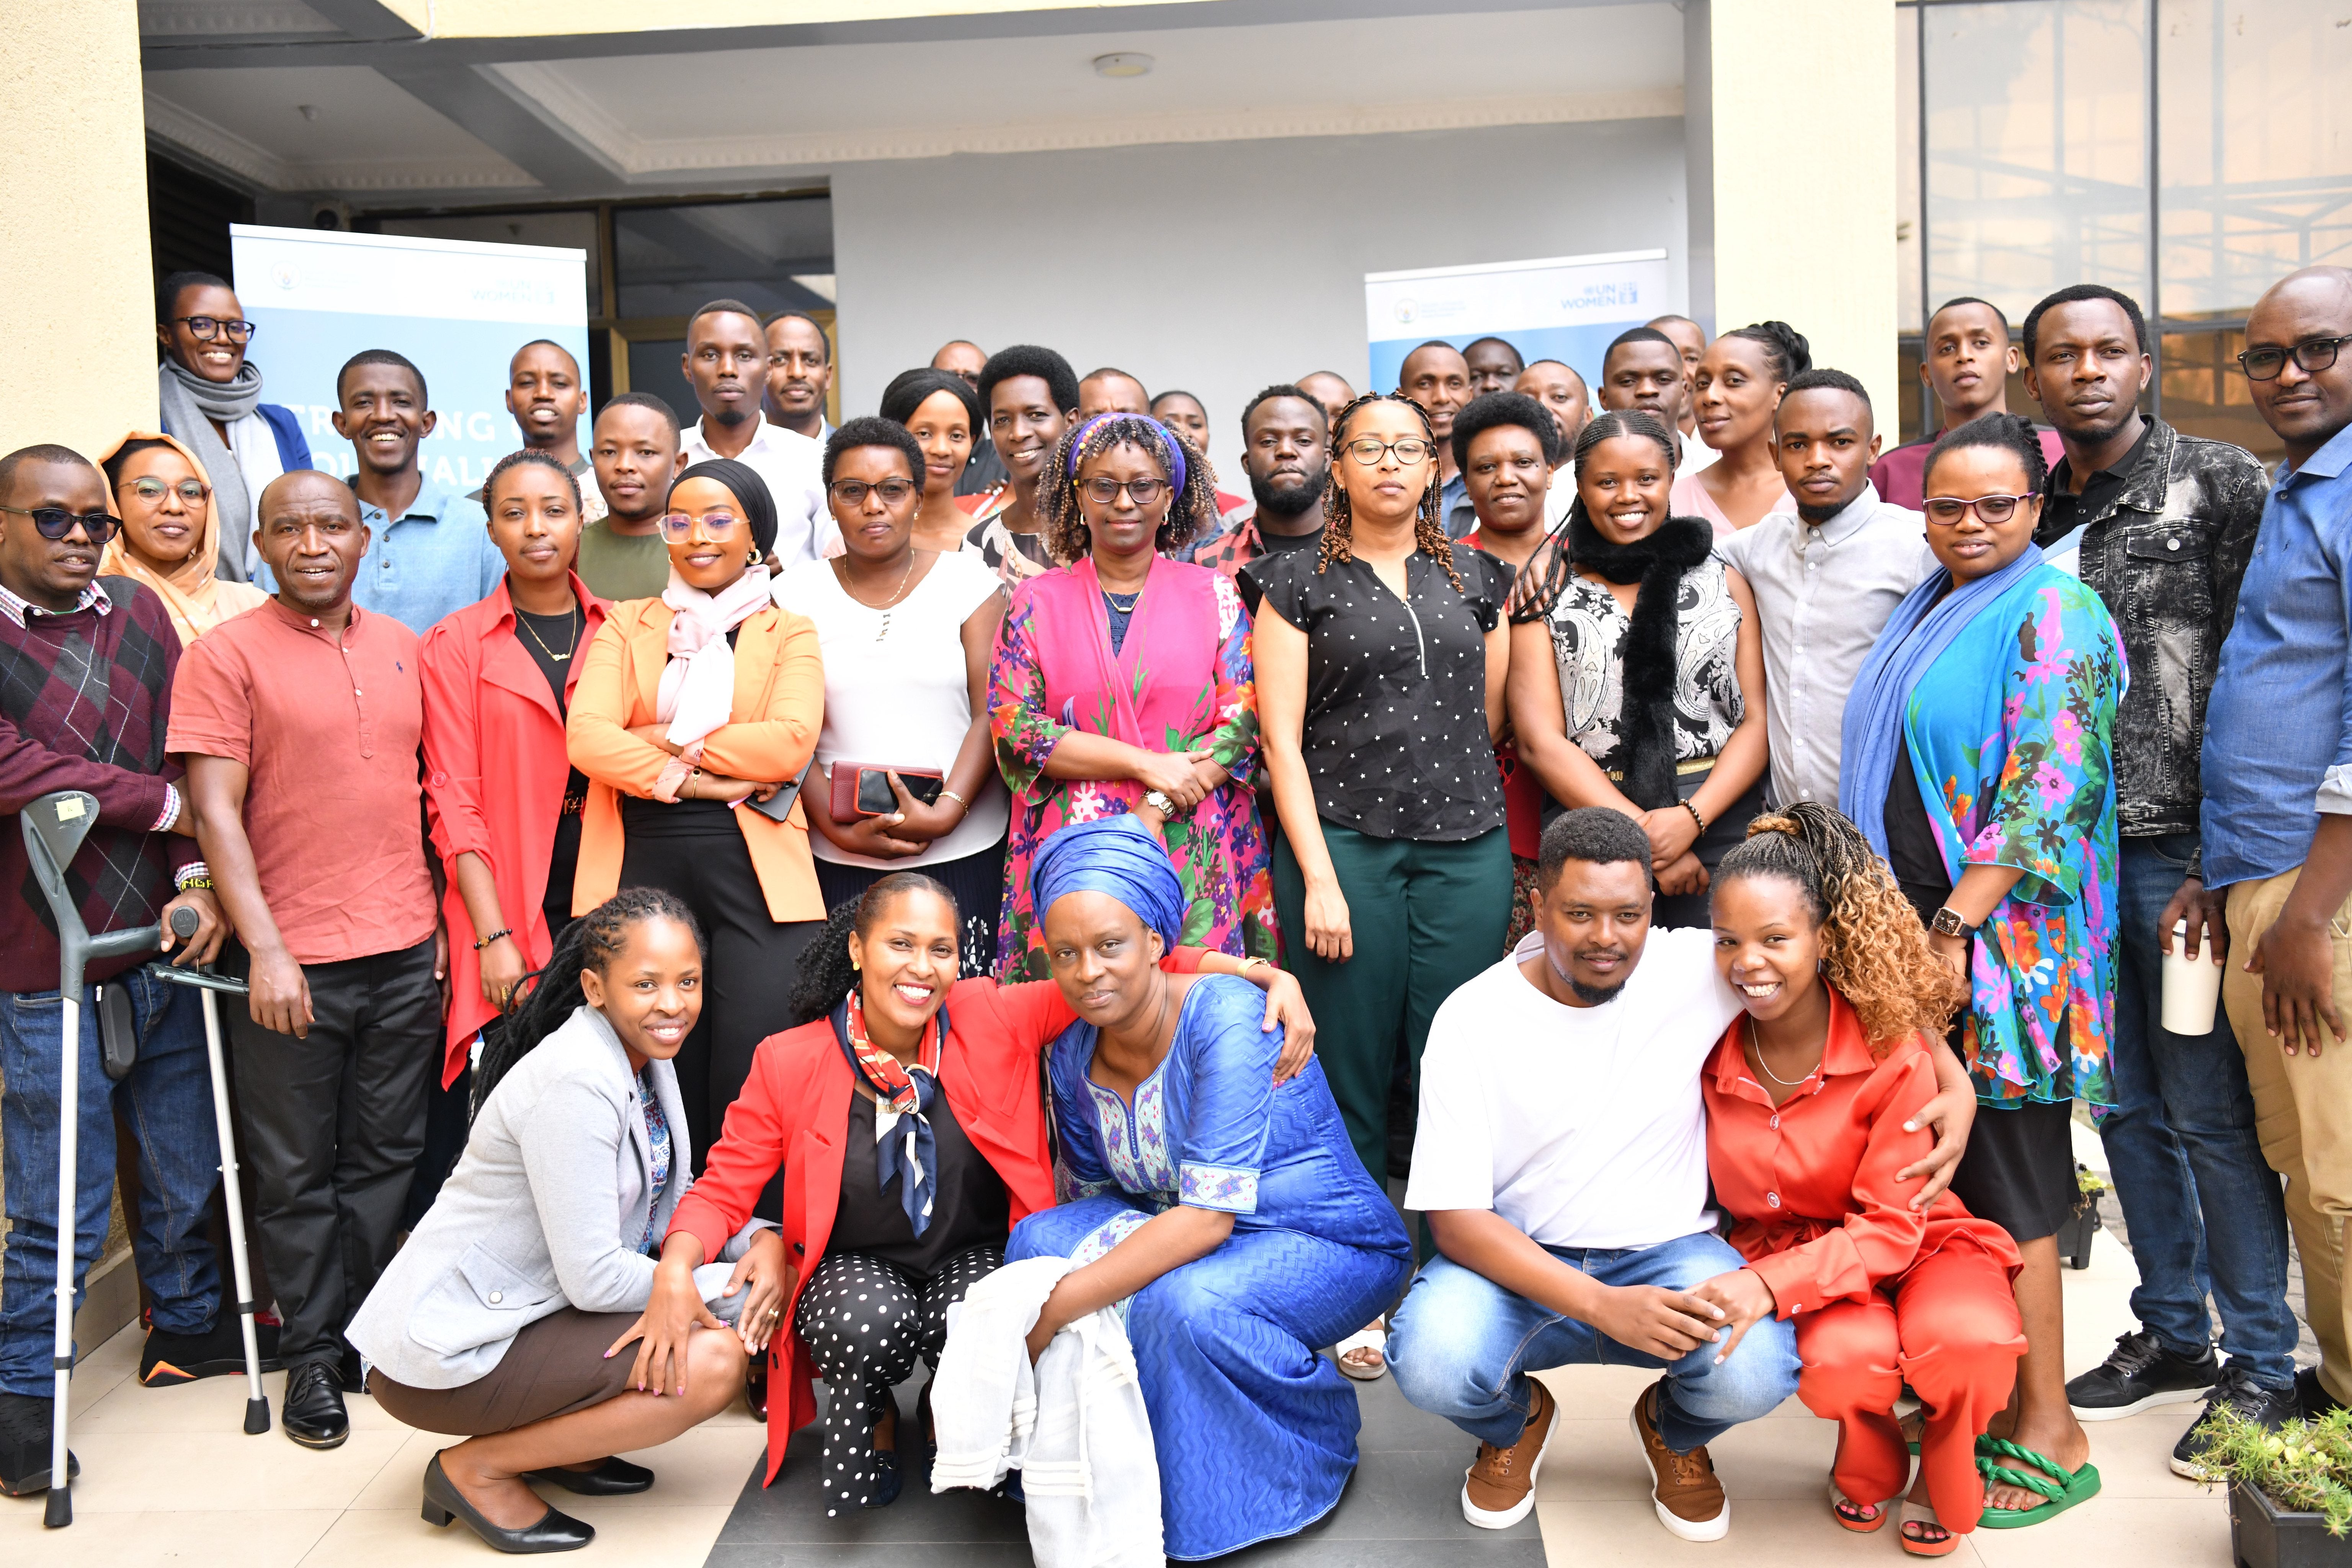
(1180, 679)
(2012, 733)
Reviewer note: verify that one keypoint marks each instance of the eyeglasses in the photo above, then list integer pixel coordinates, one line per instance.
(677, 525)
(204, 328)
(852, 493)
(1103, 490)
(1369, 449)
(150, 490)
(2312, 355)
(54, 522)
(1992, 510)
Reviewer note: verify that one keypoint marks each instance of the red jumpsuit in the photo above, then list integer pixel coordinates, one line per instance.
(1882, 1295)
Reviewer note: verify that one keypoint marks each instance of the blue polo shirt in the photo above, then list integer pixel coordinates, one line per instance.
(2278, 728)
(433, 558)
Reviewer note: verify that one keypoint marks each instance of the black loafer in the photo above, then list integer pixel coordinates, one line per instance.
(314, 1415)
(553, 1531)
(613, 1477)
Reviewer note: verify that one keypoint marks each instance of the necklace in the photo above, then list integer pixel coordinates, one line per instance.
(1776, 1077)
(888, 605)
(570, 618)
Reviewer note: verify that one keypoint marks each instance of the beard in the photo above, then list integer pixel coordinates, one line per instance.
(1595, 995)
(734, 417)
(1294, 499)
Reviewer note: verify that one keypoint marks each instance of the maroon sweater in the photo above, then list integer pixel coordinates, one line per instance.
(85, 700)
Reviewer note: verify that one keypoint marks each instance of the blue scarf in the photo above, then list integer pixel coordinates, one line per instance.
(1114, 854)
(908, 1150)
(1872, 744)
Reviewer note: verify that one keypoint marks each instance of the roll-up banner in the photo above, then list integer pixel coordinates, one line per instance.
(1566, 308)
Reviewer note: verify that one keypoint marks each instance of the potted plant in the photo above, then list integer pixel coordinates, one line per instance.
(2074, 1236)
(2290, 1489)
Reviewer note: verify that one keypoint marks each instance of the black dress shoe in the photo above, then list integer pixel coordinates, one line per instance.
(314, 1415)
(349, 1373)
(613, 1477)
(553, 1531)
(25, 1439)
(168, 1358)
(755, 1387)
(2312, 1398)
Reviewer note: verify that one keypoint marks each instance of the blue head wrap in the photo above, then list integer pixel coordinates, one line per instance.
(1114, 854)
(1169, 448)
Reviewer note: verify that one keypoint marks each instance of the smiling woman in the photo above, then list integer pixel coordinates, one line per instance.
(170, 538)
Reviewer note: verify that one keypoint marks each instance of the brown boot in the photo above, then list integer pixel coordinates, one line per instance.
(1690, 1499)
(1501, 1487)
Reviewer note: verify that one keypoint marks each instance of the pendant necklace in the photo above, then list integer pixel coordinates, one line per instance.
(571, 620)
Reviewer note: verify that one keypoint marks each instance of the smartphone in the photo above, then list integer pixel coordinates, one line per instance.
(779, 806)
(875, 797)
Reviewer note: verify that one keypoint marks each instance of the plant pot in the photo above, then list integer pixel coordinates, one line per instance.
(2074, 1236)
(2263, 1535)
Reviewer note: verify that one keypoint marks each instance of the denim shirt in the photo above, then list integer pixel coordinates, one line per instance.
(433, 558)
(2281, 710)
(2166, 553)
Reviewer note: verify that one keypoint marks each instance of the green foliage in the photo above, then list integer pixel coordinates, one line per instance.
(2304, 1466)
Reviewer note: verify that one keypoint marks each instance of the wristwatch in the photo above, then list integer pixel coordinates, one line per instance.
(1158, 801)
(1947, 923)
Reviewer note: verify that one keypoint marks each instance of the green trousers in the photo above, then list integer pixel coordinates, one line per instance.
(1425, 916)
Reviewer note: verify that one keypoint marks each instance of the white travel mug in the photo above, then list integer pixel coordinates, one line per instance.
(2192, 986)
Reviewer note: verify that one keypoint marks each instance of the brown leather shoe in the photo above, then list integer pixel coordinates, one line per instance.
(1690, 1499)
(1501, 1488)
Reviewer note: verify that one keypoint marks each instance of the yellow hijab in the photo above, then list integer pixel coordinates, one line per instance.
(198, 600)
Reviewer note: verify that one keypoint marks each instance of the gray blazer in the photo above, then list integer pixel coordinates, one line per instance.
(546, 1210)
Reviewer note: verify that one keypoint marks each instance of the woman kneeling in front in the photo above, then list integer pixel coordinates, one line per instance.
(1231, 1212)
(503, 1318)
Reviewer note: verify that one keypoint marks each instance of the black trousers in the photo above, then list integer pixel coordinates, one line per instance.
(333, 1125)
(748, 979)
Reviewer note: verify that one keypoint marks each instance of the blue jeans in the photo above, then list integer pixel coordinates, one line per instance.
(167, 1102)
(2204, 1208)
(1461, 1346)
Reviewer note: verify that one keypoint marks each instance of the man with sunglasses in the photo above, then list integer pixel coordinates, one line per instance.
(210, 395)
(2278, 815)
(87, 670)
(2161, 525)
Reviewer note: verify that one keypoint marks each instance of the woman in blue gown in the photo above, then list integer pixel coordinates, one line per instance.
(1230, 1216)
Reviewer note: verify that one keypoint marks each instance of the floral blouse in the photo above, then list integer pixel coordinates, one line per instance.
(1589, 627)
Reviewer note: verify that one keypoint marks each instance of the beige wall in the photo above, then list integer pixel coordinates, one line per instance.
(1801, 126)
(74, 263)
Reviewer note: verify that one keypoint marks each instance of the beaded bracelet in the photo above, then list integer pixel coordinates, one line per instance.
(1695, 817)
(501, 931)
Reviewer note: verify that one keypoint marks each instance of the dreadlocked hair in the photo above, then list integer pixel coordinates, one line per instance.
(1873, 949)
(592, 941)
(1540, 582)
(826, 974)
(1191, 513)
(517, 459)
(1338, 520)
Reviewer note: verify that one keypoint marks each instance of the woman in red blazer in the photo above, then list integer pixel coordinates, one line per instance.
(503, 800)
(882, 1233)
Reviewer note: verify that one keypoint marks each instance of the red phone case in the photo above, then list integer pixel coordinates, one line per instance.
(843, 796)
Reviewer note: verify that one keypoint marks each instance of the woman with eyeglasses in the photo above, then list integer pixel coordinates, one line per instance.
(1977, 760)
(170, 538)
(943, 412)
(905, 779)
(694, 721)
(1122, 683)
(1380, 662)
(210, 395)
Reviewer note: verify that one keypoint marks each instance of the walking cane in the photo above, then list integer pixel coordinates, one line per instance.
(55, 827)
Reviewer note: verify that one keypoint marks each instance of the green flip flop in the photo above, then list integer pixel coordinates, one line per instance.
(2059, 1488)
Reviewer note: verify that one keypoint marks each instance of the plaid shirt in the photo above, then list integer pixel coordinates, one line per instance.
(1231, 549)
(85, 700)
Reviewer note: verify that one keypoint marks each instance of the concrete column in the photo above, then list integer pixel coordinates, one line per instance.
(76, 346)
(1790, 122)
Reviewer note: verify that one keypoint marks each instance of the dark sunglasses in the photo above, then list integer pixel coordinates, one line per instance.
(55, 522)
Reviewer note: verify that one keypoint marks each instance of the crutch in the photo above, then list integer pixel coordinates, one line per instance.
(208, 984)
(55, 827)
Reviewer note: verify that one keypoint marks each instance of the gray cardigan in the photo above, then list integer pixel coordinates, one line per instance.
(544, 1211)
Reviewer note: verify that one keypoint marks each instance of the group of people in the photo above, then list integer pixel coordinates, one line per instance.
(766, 878)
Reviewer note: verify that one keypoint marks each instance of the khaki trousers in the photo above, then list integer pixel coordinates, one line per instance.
(2302, 1114)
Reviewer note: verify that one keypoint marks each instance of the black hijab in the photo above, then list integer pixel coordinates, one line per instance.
(750, 490)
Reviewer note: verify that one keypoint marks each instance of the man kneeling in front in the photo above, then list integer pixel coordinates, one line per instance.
(1561, 1162)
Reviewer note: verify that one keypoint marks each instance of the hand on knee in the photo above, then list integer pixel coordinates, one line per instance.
(716, 1364)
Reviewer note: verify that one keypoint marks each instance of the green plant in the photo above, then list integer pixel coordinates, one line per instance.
(2304, 1466)
(2088, 1181)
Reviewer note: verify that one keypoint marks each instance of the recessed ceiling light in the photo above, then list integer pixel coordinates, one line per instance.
(1122, 65)
(307, 110)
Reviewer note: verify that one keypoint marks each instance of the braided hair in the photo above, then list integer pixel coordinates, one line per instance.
(1338, 517)
(2012, 433)
(592, 941)
(1873, 949)
(1193, 513)
(826, 974)
(1541, 584)
(517, 459)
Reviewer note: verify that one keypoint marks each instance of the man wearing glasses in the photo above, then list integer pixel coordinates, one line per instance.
(2160, 525)
(2278, 813)
(211, 398)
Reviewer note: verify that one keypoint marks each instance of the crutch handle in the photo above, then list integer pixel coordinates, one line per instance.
(184, 922)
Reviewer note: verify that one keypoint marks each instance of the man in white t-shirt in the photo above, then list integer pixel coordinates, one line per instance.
(1561, 1162)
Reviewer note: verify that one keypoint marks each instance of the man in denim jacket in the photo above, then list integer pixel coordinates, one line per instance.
(2161, 525)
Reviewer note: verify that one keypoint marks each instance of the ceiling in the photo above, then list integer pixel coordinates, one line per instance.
(342, 98)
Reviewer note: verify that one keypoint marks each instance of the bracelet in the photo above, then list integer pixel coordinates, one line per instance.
(950, 794)
(501, 931)
(1695, 817)
(1254, 960)
(187, 882)
(194, 874)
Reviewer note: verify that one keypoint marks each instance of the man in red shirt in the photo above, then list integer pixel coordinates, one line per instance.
(1966, 369)
(309, 812)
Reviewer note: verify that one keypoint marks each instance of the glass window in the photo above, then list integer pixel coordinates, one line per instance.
(672, 259)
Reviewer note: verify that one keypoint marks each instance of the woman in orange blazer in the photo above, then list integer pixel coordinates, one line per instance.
(693, 710)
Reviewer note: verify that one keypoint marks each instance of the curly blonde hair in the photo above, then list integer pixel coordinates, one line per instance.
(1873, 949)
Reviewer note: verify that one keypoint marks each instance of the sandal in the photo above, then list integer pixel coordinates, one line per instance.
(1849, 1513)
(2059, 1488)
(1374, 1338)
(1920, 1516)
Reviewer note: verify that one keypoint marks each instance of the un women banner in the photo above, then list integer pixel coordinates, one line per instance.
(459, 309)
(1566, 308)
